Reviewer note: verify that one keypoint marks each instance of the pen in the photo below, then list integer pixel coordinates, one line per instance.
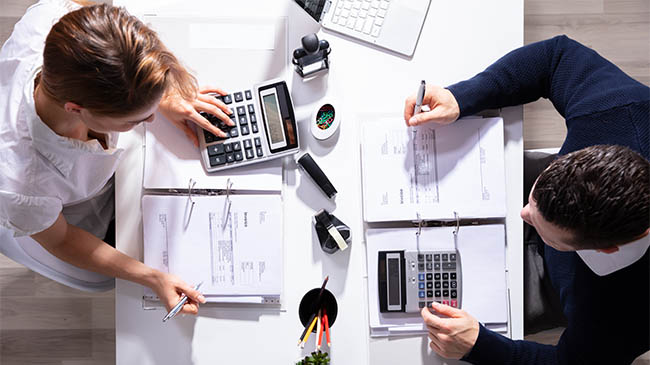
(180, 304)
(420, 97)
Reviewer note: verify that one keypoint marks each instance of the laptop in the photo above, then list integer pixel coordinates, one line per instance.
(391, 24)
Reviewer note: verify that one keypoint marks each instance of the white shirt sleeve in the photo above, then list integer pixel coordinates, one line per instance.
(27, 215)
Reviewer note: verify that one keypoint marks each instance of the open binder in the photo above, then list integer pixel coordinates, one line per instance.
(435, 187)
(222, 229)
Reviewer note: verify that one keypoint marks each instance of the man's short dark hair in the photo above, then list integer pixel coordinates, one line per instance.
(600, 194)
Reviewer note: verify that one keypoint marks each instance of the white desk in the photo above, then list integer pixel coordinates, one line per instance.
(459, 39)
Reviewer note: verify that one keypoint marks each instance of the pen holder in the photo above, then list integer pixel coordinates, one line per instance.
(308, 305)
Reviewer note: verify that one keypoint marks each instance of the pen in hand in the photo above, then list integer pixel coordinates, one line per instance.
(179, 305)
(420, 97)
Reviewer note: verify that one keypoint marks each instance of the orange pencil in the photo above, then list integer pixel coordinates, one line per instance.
(327, 327)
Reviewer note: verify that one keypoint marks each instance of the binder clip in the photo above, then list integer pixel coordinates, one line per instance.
(312, 57)
(332, 233)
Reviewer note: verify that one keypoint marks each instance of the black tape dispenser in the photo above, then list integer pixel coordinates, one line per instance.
(332, 233)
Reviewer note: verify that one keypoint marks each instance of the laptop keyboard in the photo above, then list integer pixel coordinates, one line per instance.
(363, 16)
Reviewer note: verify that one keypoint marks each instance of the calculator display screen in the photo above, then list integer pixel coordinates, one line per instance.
(393, 282)
(274, 119)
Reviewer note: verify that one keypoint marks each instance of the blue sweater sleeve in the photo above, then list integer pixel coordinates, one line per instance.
(492, 348)
(576, 79)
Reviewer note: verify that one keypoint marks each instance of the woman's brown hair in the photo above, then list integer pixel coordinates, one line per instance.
(108, 62)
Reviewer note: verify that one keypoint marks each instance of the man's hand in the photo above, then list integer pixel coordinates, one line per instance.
(169, 289)
(443, 107)
(451, 337)
(181, 112)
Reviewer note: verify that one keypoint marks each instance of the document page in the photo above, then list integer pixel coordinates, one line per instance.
(233, 245)
(432, 170)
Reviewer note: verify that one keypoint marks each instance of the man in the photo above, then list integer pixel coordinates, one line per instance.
(590, 207)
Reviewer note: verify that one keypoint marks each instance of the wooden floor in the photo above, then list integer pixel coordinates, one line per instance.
(42, 322)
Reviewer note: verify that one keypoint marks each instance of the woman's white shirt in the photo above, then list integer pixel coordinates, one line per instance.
(44, 174)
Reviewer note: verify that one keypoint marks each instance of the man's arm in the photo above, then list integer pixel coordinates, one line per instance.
(82, 249)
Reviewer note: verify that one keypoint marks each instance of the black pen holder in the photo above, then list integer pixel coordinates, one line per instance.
(308, 306)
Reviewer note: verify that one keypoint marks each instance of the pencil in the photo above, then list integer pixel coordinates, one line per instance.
(311, 327)
(314, 309)
(327, 327)
(304, 332)
(319, 330)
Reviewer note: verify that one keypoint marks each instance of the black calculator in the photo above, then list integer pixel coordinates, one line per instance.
(411, 280)
(264, 128)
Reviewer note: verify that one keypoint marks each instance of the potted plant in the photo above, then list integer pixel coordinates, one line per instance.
(316, 358)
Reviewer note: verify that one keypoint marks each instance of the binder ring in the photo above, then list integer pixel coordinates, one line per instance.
(457, 223)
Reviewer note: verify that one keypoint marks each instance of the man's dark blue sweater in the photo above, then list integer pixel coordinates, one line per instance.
(608, 316)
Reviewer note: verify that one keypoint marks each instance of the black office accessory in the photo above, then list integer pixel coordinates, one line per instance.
(313, 57)
(411, 280)
(307, 163)
(265, 128)
(332, 233)
(311, 302)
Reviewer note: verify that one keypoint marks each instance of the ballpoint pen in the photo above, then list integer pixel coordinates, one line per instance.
(180, 304)
(419, 98)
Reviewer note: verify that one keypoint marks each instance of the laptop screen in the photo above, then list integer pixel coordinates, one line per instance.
(313, 7)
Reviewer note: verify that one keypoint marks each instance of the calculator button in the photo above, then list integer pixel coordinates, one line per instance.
(241, 110)
(248, 144)
(445, 276)
(421, 285)
(244, 130)
(445, 285)
(217, 160)
(454, 303)
(445, 302)
(227, 99)
(234, 133)
(258, 142)
(236, 146)
(429, 276)
(253, 118)
(436, 266)
(421, 294)
(437, 275)
(428, 256)
(445, 257)
(454, 294)
(248, 95)
(453, 276)
(238, 97)
(215, 149)
(437, 285)
(429, 303)
(260, 153)
(430, 285)
(449, 265)
(421, 304)
(230, 157)
(227, 147)
(251, 108)
(254, 128)
(209, 137)
(420, 257)
(243, 121)
(452, 257)
(454, 284)
(249, 154)
(239, 156)
(421, 277)
(429, 293)
(429, 266)
(437, 293)
(436, 257)
(445, 293)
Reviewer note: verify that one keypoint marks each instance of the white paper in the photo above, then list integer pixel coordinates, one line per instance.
(171, 160)
(433, 170)
(239, 256)
(482, 255)
(232, 36)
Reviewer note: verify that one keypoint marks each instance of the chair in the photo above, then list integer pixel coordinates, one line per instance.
(28, 252)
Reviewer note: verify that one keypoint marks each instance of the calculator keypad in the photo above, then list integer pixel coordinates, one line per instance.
(245, 132)
(436, 277)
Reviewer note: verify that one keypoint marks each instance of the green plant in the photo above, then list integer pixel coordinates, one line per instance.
(316, 358)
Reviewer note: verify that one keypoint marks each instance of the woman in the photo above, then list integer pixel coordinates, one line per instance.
(65, 92)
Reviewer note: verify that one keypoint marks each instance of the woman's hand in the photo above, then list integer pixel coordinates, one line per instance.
(182, 112)
(452, 336)
(443, 107)
(169, 289)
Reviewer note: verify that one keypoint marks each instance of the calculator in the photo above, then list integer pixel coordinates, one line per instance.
(411, 280)
(264, 128)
